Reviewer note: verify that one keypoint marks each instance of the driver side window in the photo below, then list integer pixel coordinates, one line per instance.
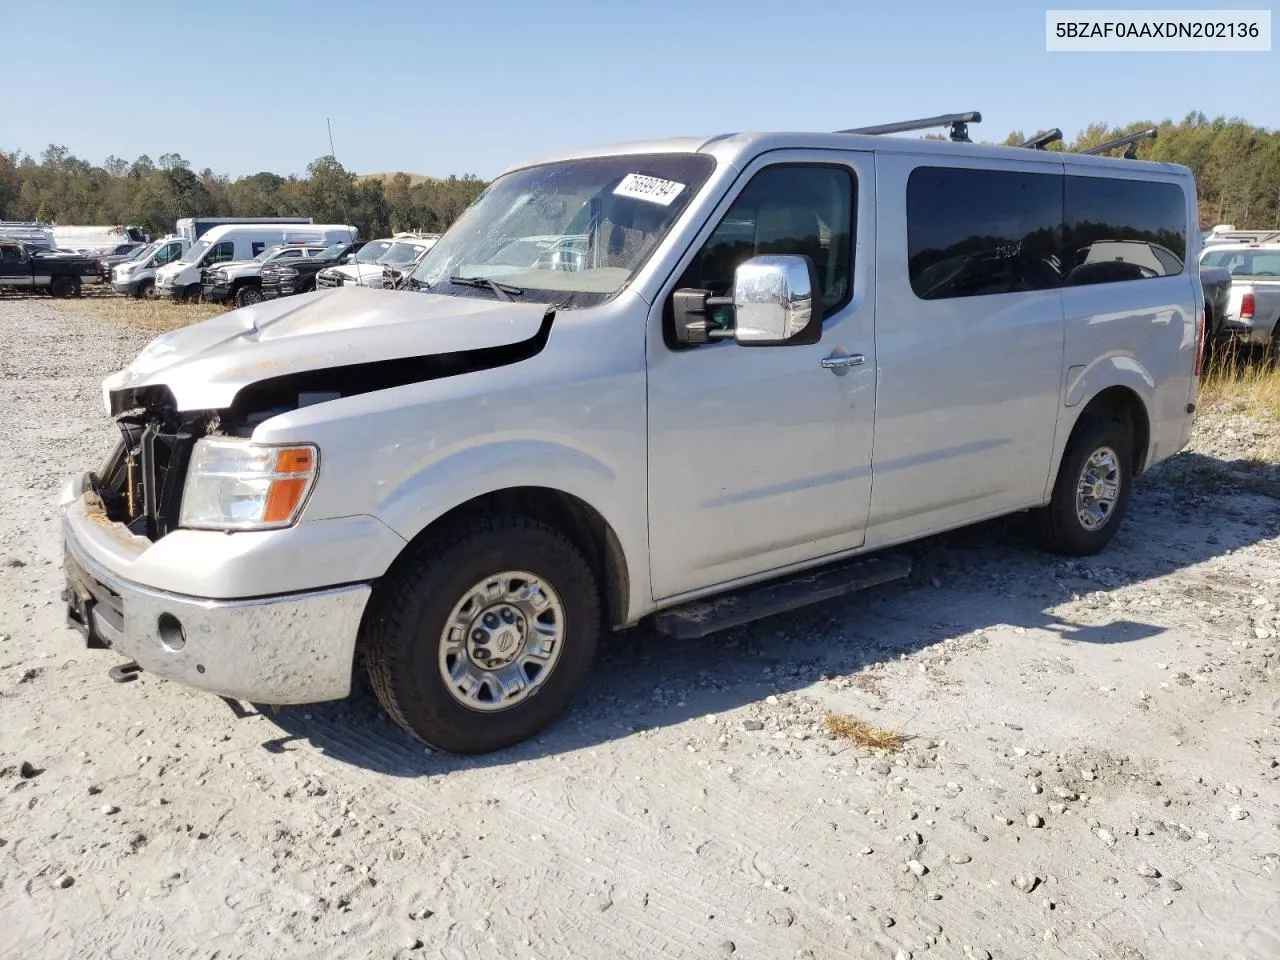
(806, 210)
(220, 253)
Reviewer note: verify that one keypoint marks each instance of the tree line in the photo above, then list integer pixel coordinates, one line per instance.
(1236, 165)
(64, 188)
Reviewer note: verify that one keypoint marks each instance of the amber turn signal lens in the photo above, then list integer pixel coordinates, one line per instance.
(282, 499)
(294, 460)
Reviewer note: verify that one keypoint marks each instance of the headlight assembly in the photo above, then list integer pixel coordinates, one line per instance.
(235, 484)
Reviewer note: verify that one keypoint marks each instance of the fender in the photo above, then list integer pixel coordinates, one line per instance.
(495, 465)
(1084, 382)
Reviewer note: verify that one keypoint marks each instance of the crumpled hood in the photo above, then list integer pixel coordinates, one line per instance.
(206, 364)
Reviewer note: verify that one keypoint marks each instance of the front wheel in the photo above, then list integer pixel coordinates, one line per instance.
(1092, 489)
(146, 290)
(481, 638)
(247, 295)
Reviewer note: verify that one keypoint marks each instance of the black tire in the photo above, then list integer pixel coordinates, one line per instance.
(248, 294)
(1059, 527)
(403, 630)
(190, 294)
(146, 289)
(64, 287)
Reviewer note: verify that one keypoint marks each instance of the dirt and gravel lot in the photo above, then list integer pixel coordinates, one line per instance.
(1090, 769)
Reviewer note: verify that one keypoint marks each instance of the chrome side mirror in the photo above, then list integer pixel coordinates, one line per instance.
(774, 302)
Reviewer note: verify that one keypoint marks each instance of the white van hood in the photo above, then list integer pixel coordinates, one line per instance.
(206, 364)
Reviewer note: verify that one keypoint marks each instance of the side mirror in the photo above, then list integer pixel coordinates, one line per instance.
(774, 303)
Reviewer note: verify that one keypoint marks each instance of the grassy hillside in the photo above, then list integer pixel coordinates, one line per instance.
(414, 178)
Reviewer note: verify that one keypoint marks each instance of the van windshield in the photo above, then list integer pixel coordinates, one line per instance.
(573, 233)
(195, 253)
(145, 252)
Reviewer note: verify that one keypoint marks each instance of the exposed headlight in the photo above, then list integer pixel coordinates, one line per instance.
(235, 484)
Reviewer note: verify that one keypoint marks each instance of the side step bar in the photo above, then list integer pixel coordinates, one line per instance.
(702, 617)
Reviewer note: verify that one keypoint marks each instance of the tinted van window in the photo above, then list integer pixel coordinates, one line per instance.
(1123, 230)
(976, 232)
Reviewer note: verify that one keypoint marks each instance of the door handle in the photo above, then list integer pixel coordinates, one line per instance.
(834, 362)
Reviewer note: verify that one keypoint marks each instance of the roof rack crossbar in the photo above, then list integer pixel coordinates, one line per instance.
(958, 122)
(1130, 142)
(1042, 139)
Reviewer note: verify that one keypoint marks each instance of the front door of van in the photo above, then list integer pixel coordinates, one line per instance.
(760, 457)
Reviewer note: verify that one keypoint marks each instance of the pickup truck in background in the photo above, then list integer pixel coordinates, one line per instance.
(299, 276)
(240, 281)
(26, 268)
(1252, 314)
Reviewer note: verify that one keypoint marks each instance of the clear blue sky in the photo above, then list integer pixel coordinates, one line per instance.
(442, 88)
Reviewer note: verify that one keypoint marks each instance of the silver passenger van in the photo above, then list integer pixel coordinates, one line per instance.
(631, 380)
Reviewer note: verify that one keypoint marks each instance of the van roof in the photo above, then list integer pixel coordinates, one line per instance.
(305, 230)
(738, 148)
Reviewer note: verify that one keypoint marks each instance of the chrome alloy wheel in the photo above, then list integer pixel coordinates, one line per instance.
(501, 641)
(1098, 489)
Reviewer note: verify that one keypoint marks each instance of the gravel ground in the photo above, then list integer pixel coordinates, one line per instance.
(1091, 769)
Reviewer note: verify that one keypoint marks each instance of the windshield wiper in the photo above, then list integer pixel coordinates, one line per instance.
(503, 291)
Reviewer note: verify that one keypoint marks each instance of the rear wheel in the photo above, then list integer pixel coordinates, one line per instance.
(1092, 489)
(481, 638)
(63, 287)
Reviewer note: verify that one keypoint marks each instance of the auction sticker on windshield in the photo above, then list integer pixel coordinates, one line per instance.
(653, 189)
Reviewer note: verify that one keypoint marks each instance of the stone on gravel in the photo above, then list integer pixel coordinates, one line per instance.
(1238, 813)
(1147, 870)
(109, 809)
(752, 724)
(1035, 820)
(1026, 882)
(27, 770)
(916, 867)
(65, 881)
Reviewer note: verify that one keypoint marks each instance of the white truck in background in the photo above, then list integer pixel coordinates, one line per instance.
(97, 239)
(1252, 317)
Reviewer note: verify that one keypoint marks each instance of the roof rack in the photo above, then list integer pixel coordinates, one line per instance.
(1226, 233)
(1129, 142)
(958, 122)
(1042, 139)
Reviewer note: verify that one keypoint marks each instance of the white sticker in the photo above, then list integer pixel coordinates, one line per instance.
(653, 189)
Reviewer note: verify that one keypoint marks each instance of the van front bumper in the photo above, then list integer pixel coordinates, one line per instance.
(281, 649)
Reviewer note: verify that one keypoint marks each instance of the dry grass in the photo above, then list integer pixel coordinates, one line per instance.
(154, 315)
(865, 735)
(1243, 384)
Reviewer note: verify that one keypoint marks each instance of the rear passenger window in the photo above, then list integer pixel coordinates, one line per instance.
(1123, 230)
(784, 210)
(973, 233)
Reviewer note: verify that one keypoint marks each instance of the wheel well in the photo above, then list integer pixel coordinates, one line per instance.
(1122, 404)
(573, 517)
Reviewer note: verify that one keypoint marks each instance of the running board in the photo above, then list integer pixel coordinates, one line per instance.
(702, 617)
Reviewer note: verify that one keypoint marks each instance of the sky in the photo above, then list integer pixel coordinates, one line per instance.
(441, 89)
